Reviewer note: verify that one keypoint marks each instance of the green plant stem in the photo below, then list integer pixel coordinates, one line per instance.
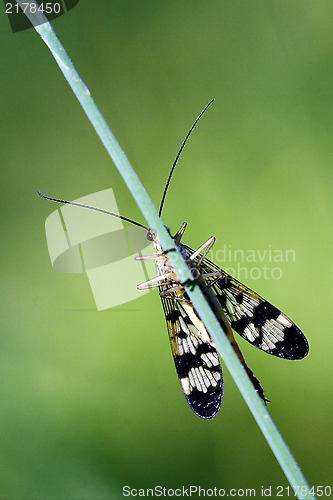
(258, 409)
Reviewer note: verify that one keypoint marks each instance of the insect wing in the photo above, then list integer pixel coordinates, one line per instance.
(253, 318)
(196, 360)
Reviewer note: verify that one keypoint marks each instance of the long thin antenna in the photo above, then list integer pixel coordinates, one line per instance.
(178, 155)
(93, 208)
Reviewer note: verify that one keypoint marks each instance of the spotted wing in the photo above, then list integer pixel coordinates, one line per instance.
(252, 317)
(196, 360)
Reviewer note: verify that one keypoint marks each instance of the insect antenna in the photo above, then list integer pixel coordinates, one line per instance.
(164, 193)
(178, 155)
(93, 208)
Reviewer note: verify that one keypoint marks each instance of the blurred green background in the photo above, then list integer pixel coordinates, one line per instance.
(90, 401)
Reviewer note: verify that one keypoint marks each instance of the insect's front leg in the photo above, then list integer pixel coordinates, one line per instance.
(155, 281)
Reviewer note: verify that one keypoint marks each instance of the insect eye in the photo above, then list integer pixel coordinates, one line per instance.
(150, 235)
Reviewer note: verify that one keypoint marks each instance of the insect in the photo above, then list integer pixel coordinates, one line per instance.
(236, 307)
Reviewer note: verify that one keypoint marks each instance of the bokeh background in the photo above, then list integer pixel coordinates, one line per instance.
(90, 401)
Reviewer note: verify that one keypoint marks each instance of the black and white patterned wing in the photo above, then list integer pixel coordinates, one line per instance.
(255, 319)
(196, 360)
